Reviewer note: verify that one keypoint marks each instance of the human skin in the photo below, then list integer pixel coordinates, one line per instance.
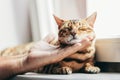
(41, 54)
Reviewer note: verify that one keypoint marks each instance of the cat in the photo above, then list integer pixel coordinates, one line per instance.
(70, 32)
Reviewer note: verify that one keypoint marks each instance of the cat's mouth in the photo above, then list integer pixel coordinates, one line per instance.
(71, 40)
(76, 39)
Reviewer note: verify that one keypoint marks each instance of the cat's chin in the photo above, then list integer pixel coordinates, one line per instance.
(73, 41)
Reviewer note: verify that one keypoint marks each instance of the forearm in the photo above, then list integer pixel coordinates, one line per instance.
(5, 68)
(10, 66)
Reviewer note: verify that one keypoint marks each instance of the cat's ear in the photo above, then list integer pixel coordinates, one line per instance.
(91, 19)
(58, 21)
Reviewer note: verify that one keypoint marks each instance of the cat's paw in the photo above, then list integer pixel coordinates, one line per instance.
(92, 69)
(64, 70)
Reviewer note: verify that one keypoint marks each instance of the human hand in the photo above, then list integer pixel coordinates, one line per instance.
(42, 53)
(46, 53)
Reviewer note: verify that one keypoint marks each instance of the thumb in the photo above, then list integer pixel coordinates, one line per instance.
(64, 52)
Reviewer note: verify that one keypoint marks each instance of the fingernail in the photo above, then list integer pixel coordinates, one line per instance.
(89, 37)
(78, 44)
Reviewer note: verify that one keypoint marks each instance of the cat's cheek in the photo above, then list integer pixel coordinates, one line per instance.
(63, 40)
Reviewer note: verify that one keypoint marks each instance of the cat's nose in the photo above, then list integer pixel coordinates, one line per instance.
(73, 34)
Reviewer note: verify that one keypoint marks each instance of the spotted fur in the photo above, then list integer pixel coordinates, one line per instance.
(71, 32)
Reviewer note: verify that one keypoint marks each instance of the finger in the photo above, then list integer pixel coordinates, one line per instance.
(69, 50)
(77, 47)
(86, 39)
(85, 43)
(91, 37)
(62, 53)
(49, 38)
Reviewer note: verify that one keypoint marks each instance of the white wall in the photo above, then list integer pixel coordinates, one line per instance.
(14, 23)
(108, 18)
(70, 9)
(22, 20)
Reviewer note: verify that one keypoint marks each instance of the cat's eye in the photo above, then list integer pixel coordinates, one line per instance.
(61, 31)
(89, 29)
(79, 23)
(82, 29)
(67, 29)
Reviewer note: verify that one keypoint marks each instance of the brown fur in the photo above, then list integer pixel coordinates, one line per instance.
(17, 50)
(71, 32)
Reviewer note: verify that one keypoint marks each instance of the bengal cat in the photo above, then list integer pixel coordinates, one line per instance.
(70, 32)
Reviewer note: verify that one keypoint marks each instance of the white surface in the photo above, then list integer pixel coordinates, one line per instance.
(108, 49)
(74, 76)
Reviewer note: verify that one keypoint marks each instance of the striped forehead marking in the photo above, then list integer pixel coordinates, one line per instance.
(72, 22)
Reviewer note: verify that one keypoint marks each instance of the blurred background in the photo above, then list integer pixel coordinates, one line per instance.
(22, 21)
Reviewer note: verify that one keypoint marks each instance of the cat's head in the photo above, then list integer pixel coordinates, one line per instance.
(72, 31)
